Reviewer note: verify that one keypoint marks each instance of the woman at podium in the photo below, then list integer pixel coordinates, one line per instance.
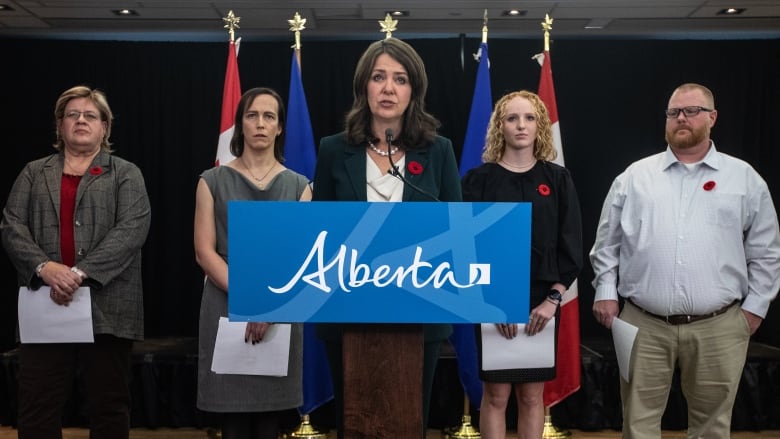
(388, 137)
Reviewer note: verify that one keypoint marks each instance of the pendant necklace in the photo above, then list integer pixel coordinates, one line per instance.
(258, 180)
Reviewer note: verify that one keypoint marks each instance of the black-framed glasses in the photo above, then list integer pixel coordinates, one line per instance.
(673, 113)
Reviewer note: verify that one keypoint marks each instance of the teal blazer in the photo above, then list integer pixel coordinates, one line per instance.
(340, 175)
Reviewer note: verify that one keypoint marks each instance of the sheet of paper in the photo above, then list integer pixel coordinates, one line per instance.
(43, 321)
(234, 356)
(623, 334)
(521, 352)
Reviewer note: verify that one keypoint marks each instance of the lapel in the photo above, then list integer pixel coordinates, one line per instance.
(99, 167)
(415, 155)
(52, 172)
(355, 164)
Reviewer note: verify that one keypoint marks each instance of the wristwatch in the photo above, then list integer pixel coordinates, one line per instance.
(39, 268)
(81, 274)
(555, 295)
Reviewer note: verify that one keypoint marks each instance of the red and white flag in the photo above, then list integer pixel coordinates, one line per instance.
(231, 94)
(567, 380)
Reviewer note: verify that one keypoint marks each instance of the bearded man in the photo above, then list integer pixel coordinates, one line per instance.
(689, 239)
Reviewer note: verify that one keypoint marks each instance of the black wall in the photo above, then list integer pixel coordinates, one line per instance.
(166, 97)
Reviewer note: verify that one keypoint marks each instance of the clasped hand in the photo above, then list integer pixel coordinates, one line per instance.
(538, 319)
(62, 281)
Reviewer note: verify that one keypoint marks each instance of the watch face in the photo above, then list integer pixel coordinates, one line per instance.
(556, 296)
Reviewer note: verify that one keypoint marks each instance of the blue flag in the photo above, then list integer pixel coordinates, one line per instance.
(299, 152)
(300, 156)
(463, 338)
(479, 117)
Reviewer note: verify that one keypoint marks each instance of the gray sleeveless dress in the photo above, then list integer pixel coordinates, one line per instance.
(244, 393)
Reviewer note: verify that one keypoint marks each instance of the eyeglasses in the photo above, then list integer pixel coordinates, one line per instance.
(673, 113)
(88, 115)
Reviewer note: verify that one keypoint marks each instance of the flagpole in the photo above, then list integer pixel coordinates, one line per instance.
(305, 430)
(466, 430)
(297, 24)
(388, 26)
(231, 24)
(550, 431)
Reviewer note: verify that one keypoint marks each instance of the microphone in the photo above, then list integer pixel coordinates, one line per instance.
(394, 168)
(389, 139)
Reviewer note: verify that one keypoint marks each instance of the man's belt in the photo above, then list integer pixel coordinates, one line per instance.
(682, 319)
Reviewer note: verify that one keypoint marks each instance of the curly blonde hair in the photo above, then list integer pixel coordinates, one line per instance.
(495, 144)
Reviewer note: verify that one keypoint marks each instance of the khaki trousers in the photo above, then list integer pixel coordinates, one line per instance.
(710, 355)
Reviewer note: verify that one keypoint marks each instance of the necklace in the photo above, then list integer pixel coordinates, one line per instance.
(521, 167)
(258, 180)
(393, 150)
(81, 169)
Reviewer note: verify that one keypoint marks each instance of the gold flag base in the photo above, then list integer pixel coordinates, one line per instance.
(305, 431)
(466, 431)
(214, 433)
(550, 431)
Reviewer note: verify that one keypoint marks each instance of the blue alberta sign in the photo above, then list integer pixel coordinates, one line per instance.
(359, 262)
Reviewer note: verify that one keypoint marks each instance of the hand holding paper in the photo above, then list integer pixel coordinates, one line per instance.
(623, 334)
(233, 355)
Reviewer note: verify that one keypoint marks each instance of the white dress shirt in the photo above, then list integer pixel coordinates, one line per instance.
(681, 238)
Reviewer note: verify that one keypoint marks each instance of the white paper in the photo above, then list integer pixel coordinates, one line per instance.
(521, 352)
(232, 355)
(43, 321)
(623, 334)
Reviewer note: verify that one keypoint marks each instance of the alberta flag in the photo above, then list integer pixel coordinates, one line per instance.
(479, 117)
(231, 94)
(568, 377)
(299, 140)
(300, 157)
(463, 338)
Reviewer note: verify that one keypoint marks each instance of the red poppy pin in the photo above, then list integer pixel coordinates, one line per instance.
(415, 168)
(543, 189)
(708, 186)
(96, 170)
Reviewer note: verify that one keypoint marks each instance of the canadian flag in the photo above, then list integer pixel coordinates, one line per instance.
(567, 380)
(231, 94)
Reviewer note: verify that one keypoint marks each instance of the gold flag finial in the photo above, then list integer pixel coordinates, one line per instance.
(388, 26)
(231, 24)
(297, 24)
(547, 26)
(484, 27)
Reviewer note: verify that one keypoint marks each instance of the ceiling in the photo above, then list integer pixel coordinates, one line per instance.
(198, 20)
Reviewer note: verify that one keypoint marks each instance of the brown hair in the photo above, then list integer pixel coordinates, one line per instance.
(418, 126)
(237, 141)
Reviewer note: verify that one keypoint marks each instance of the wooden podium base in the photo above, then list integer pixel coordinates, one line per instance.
(383, 381)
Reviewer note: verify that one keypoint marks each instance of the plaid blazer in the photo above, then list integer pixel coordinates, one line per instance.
(111, 221)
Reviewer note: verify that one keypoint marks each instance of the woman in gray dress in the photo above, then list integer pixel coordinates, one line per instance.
(251, 406)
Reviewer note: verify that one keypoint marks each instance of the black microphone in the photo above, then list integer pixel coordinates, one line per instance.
(394, 169)
(389, 139)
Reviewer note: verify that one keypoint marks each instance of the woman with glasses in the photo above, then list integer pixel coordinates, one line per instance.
(76, 219)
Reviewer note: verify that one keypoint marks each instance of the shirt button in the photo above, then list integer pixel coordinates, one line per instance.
(77, 223)
(81, 252)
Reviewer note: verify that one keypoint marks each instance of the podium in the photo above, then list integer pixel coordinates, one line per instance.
(383, 372)
(361, 265)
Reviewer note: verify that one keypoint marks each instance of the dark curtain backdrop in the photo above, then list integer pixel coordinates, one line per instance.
(167, 96)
